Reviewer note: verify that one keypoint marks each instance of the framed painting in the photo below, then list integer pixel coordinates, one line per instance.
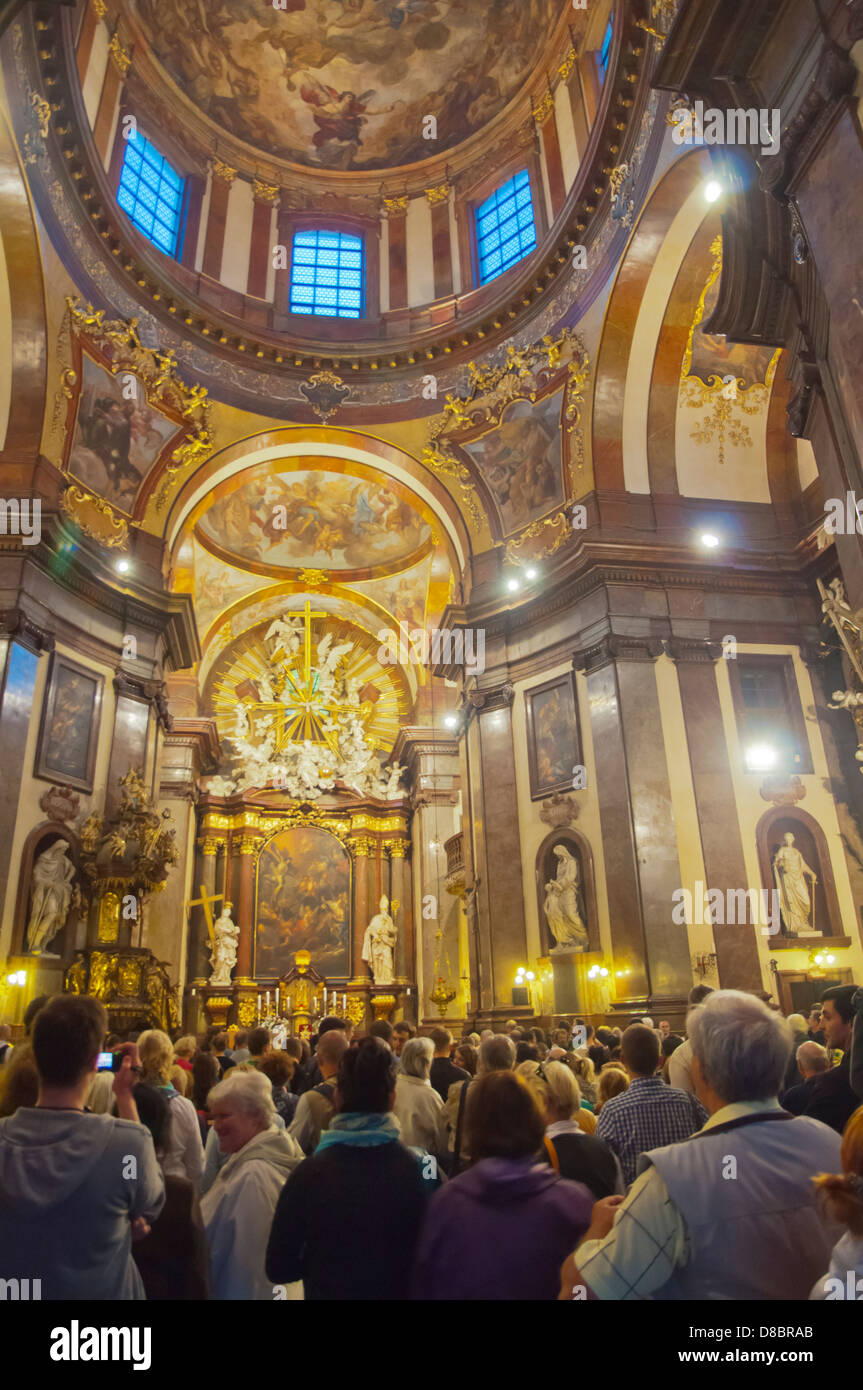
(303, 903)
(553, 741)
(69, 728)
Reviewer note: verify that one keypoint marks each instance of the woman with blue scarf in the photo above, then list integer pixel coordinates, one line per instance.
(348, 1219)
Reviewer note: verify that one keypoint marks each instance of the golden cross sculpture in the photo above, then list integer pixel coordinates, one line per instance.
(298, 709)
(206, 902)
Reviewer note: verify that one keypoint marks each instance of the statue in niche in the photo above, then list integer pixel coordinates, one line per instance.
(223, 950)
(790, 872)
(52, 891)
(561, 904)
(379, 945)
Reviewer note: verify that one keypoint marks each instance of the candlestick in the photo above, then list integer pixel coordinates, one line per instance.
(344, 1003)
(268, 1003)
(325, 998)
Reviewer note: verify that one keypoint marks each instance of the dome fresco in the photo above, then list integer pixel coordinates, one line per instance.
(347, 84)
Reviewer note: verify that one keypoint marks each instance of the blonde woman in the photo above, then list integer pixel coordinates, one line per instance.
(181, 1077)
(183, 1155)
(612, 1082)
(585, 1074)
(841, 1199)
(584, 1119)
(572, 1153)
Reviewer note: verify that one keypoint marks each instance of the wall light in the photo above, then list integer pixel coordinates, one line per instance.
(712, 191)
(513, 585)
(123, 566)
(760, 757)
(709, 540)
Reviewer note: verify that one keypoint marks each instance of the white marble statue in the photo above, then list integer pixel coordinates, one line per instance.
(790, 872)
(52, 896)
(223, 948)
(561, 903)
(379, 945)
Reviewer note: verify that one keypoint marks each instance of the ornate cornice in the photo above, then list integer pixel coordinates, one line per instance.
(149, 692)
(15, 623)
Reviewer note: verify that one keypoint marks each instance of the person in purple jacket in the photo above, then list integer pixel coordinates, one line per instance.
(500, 1229)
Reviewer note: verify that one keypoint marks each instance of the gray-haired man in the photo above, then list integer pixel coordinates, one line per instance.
(730, 1212)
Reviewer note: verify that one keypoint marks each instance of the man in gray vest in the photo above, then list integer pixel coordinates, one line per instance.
(730, 1212)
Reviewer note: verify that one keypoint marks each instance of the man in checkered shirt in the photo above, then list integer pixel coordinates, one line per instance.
(649, 1114)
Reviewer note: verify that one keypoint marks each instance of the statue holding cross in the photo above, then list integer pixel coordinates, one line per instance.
(223, 951)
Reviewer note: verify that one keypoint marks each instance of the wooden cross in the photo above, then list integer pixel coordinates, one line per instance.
(206, 902)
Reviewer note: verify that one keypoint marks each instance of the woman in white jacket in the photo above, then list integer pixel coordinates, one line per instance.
(238, 1209)
(418, 1104)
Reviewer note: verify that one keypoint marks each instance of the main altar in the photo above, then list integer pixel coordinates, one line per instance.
(297, 847)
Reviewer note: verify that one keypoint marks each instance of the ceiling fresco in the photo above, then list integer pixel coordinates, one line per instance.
(273, 521)
(347, 84)
(521, 461)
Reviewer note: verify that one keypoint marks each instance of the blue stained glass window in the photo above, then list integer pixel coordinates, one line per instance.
(151, 194)
(505, 227)
(327, 274)
(605, 50)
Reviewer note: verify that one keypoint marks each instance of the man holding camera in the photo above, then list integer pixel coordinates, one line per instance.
(76, 1188)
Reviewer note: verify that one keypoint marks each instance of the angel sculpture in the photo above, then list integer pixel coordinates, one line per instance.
(846, 699)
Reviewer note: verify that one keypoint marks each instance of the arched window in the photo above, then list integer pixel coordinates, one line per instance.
(151, 193)
(327, 274)
(505, 227)
(605, 49)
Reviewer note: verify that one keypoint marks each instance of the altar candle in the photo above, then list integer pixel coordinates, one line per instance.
(325, 998)
(259, 1008)
(268, 1003)
(344, 1003)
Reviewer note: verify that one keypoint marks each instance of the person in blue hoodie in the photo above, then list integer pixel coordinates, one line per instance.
(76, 1188)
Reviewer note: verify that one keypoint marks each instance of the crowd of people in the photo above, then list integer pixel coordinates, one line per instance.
(583, 1163)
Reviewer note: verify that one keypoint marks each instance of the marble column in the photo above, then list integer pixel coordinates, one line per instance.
(16, 711)
(496, 843)
(639, 836)
(244, 903)
(400, 892)
(724, 865)
(186, 750)
(360, 850)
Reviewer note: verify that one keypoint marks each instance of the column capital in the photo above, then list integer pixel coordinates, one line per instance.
(120, 56)
(495, 697)
(544, 107)
(223, 171)
(616, 648)
(439, 194)
(395, 207)
(693, 649)
(267, 193)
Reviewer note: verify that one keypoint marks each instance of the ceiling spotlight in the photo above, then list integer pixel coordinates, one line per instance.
(513, 585)
(531, 573)
(712, 191)
(709, 540)
(122, 566)
(760, 757)
(450, 721)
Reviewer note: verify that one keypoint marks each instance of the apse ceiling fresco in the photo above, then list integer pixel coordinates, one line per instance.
(346, 84)
(272, 521)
